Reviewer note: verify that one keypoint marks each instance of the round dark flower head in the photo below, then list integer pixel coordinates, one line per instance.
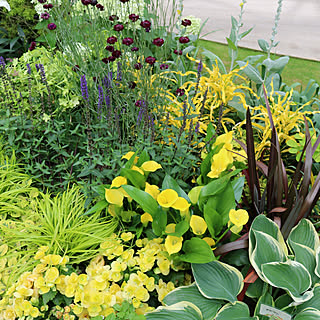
(150, 60)
(48, 6)
(145, 24)
(118, 27)
(132, 85)
(138, 66)
(180, 92)
(186, 22)
(100, 6)
(133, 17)
(138, 103)
(113, 17)
(86, 2)
(112, 40)
(134, 49)
(94, 2)
(184, 40)
(116, 53)
(127, 41)
(109, 48)
(109, 59)
(164, 66)
(42, 1)
(158, 42)
(124, 1)
(177, 52)
(52, 26)
(32, 46)
(45, 16)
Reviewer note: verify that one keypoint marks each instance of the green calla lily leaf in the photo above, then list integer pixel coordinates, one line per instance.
(197, 251)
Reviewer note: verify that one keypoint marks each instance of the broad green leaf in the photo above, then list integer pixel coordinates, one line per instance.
(208, 307)
(181, 228)
(135, 177)
(217, 280)
(236, 311)
(144, 156)
(236, 258)
(231, 44)
(197, 251)
(179, 311)
(251, 72)
(255, 289)
(317, 269)
(170, 183)
(97, 207)
(283, 301)
(291, 276)
(266, 299)
(159, 222)
(237, 186)
(314, 302)
(144, 199)
(308, 314)
(279, 64)
(213, 219)
(214, 58)
(194, 194)
(304, 233)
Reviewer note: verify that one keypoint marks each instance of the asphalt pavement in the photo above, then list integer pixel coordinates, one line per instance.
(298, 29)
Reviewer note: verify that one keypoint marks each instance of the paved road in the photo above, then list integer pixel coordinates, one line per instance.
(298, 30)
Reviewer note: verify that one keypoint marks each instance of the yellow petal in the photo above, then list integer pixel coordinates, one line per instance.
(146, 218)
(118, 182)
(114, 196)
(198, 225)
(167, 198)
(150, 166)
(181, 204)
(170, 228)
(194, 194)
(173, 244)
(153, 190)
(128, 155)
(238, 217)
(209, 241)
(137, 169)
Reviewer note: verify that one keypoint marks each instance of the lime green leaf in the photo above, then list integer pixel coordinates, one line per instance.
(213, 219)
(208, 307)
(236, 311)
(308, 314)
(197, 251)
(97, 207)
(179, 311)
(144, 156)
(217, 280)
(181, 228)
(237, 186)
(291, 276)
(159, 222)
(135, 177)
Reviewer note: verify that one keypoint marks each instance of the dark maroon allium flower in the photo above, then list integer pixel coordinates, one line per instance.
(150, 60)
(109, 59)
(32, 46)
(113, 17)
(48, 6)
(147, 29)
(186, 22)
(164, 66)
(118, 27)
(177, 52)
(132, 85)
(145, 24)
(52, 26)
(133, 17)
(127, 41)
(100, 6)
(94, 2)
(124, 1)
(134, 49)
(138, 103)
(138, 66)
(184, 40)
(86, 2)
(42, 1)
(158, 42)
(76, 68)
(109, 48)
(116, 53)
(180, 92)
(45, 16)
(95, 79)
(112, 40)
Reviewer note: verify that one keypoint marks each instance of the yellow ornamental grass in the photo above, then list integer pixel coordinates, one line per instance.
(198, 225)
(173, 244)
(150, 166)
(167, 198)
(238, 217)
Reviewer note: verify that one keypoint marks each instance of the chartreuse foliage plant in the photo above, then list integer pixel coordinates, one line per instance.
(291, 282)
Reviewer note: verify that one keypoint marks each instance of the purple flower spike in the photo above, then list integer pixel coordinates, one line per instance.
(28, 68)
(84, 88)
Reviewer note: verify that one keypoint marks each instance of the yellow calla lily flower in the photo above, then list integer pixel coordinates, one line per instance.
(152, 189)
(146, 218)
(114, 196)
(150, 166)
(198, 225)
(118, 182)
(181, 204)
(238, 217)
(167, 198)
(173, 244)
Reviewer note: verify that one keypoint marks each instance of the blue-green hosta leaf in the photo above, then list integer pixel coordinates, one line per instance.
(266, 250)
(317, 269)
(178, 311)
(304, 233)
(314, 302)
(217, 280)
(308, 314)
(208, 307)
(235, 311)
(291, 276)
(266, 299)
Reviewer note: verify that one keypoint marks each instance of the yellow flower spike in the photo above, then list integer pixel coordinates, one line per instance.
(181, 204)
(153, 190)
(118, 182)
(194, 194)
(137, 169)
(238, 217)
(146, 218)
(170, 228)
(198, 225)
(150, 166)
(167, 198)
(173, 244)
(209, 241)
(114, 196)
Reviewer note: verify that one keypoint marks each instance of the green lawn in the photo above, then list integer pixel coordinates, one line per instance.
(297, 70)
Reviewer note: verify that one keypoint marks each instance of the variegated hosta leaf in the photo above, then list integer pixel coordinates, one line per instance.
(317, 269)
(4, 3)
(208, 307)
(217, 280)
(291, 276)
(308, 314)
(235, 311)
(179, 311)
(314, 302)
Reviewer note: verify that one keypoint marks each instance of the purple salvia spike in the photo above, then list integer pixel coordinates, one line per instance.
(119, 73)
(100, 99)
(2, 62)
(84, 88)
(28, 68)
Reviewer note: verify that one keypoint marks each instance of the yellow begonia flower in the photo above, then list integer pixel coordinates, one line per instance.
(198, 225)
(118, 182)
(114, 196)
(150, 166)
(173, 244)
(153, 190)
(238, 217)
(209, 241)
(167, 198)
(145, 218)
(127, 236)
(52, 259)
(220, 162)
(194, 194)
(137, 169)
(3, 249)
(170, 228)
(51, 275)
(181, 204)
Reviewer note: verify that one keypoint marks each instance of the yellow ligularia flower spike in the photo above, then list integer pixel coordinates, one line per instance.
(198, 225)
